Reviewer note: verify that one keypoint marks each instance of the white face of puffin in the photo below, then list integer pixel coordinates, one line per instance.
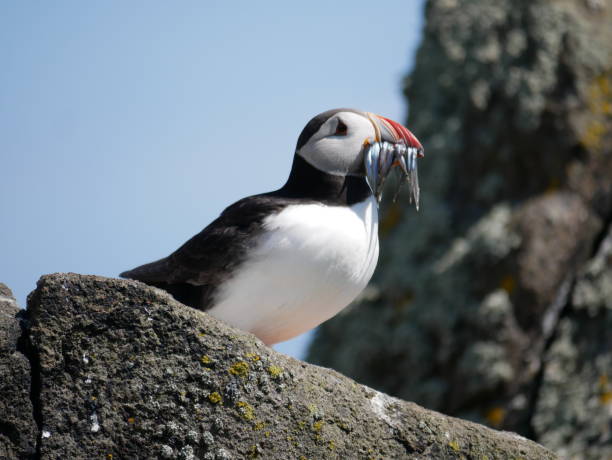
(337, 147)
(354, 143)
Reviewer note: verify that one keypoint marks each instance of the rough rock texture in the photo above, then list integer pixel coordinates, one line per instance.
(127, 372)
(17, 426)
(492, 303)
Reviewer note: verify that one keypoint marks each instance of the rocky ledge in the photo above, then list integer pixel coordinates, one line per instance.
(111, 369)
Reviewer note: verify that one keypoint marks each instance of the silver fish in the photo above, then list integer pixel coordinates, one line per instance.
(379, 159)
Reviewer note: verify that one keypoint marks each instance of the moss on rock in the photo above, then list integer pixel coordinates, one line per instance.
(142, 398)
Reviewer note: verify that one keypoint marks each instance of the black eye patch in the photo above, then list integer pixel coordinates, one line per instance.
(341, 129)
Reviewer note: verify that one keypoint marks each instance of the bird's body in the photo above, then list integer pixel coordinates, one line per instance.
(280, 263)
(312, 261)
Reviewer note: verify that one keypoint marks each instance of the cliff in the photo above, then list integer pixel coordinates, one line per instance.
(493, 302)
(112, 369)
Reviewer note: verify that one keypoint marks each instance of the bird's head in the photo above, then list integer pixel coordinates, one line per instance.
(349, 142)
(335, 141)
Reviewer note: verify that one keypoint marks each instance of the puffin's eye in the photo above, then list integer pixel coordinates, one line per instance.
(341, 129)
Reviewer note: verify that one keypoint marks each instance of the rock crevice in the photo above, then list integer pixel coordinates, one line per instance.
(24, 347)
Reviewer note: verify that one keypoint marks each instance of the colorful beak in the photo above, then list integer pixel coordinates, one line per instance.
(393, 132)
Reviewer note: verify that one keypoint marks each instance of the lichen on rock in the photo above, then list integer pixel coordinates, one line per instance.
(512, 101)
(121, 375)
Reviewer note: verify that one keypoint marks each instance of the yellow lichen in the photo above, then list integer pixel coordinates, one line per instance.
(275, 371)
(109, 456)
(496, 416)
(343, 426)
(391, 218)
(454, 445)
(259, 426)
(591, 137)
(239, 368)
(214, 397)
(508, 283)
(599, 101)
(331, 445)
(317, 426)
(253, 451)
(605, 392)
(205, 359)
(253, 357)
(600, 95)
(267, 434)
(131, 420)
(246, 410)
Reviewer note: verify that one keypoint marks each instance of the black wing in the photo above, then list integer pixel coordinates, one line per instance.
(194, 271)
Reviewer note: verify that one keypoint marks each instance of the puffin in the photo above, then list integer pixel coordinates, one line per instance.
(280, 263)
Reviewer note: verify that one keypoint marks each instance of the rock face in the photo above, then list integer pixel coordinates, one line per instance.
(493, 302)
(121, 370)
(17, 427)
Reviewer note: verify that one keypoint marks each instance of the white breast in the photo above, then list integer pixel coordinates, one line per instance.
(311, 262)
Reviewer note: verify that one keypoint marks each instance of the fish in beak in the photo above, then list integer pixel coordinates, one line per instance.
(393, 146)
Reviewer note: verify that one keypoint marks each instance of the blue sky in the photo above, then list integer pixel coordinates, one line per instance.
(126, 127)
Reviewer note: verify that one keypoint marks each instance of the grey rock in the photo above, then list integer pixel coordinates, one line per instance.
(576, 386)
(511, 100)
(17, 427)
(127, 372)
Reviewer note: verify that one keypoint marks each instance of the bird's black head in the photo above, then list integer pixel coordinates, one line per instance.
(334, 141)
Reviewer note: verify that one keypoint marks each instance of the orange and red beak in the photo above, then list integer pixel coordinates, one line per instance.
(394, 132)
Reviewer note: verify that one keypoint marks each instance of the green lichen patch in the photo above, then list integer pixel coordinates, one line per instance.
(275, 371)
(343, 425)
(254, 451)
(258, 426)
(599, 101)
(454, 445)
(245, 410)
(240, 369)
